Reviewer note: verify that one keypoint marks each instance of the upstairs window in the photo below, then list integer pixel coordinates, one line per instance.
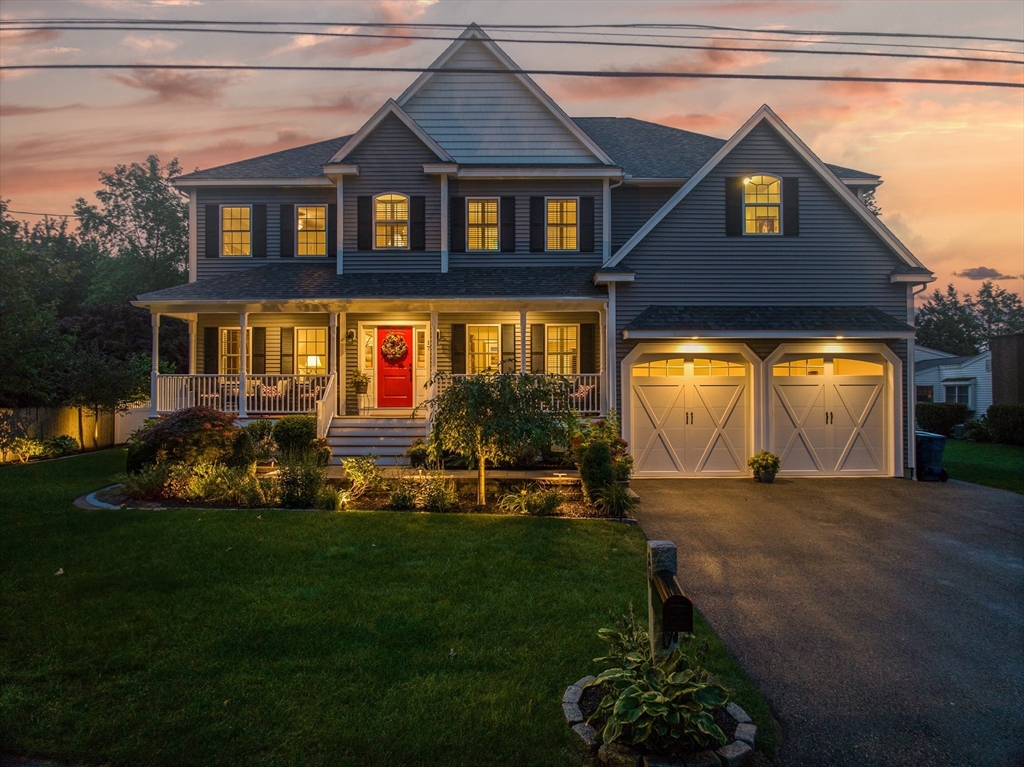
(482, 224)
(391, 221)
(762, 201)
(562, 224)
(236, 231)
(311, 230)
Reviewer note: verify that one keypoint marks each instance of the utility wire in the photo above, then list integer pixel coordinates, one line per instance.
(607, 43)
(33, 213)
(487, 71)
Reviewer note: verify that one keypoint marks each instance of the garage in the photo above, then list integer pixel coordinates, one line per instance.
(828, 414)
(690, 414)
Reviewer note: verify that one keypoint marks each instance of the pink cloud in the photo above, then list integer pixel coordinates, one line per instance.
(169, 85)
(21, 110)
(28, 37)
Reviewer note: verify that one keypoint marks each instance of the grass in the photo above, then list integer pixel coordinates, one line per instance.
(199, 637)
(999, 466)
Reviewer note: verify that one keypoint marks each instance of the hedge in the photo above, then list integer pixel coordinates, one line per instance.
(1006, 423)
(941, 417)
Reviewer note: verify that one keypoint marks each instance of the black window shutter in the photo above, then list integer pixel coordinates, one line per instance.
(287, 345)
(212, 231)
(508, 348)
(417, 222)
(211, 350)
(734, 207)
(364, 221)
(537, 348)
(259, 231)
(791, 207)
(259, 351)
(586, 224)
(457, 225)
(508, 224)
(287, 231)
(332, 230)
(588, 348)
(458, 349)
(537, 225)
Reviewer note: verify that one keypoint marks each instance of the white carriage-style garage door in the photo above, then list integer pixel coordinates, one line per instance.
(689, 415)
(828, 415)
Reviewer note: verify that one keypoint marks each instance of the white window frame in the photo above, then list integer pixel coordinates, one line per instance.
(497, 224)
(956, 385)
(222, 342)
(408, 221)
(547, 328)
(469, 352)
(220, 226)
(327, 348)
(546, 224)
(295, 229)
(762, 204)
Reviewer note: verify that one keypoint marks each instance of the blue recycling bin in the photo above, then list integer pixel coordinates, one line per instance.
(929, 457)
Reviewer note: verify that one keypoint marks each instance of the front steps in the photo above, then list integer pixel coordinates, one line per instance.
(386, 438)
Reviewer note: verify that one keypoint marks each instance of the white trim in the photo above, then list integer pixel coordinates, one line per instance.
(220, 230)
(603, 278)
(295, 228)
(296, 181)
(444, 224)
(547, 224)
(390, 107)
(193, 236)
(837, 335)
(636, 181)
(497, 224)
(474, 32)
(914, 279)
(408, 221)
(576, 325)
(555, 171)
(606, 220)
(341, 242)
(340, 169)
(844, 193)
(611, 339)
(443, 168)
(418, 395)
(220, 343)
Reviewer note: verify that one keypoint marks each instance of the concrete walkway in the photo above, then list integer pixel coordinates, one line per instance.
(882, 618)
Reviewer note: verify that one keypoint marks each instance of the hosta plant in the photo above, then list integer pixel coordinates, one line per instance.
(655, 703)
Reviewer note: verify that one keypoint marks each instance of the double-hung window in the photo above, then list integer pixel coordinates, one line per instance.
(311, 351)
(484, 349)
(482, 224)
(311, 230)
(231, 350)
(958, 393)
(562, 232)
(236, 230)
(391, 221)
(563, 350)
(762, 202)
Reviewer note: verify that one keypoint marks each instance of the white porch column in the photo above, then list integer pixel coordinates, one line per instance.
(332, 344)
(603, 364)
(243, 322)
(522, 342)
(432, 357)
(193, 326)
(444, 223)
(342, 361)
(610, 339)
(606, 221)
(341, 224)
(193, 237)
(155, 320)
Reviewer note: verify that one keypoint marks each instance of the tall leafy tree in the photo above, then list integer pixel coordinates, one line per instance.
(964, 326)
(999, 311)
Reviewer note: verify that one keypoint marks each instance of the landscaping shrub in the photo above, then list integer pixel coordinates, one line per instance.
(437, 493)
(603, 431)
(1006, 422)
(10, 430)
(977, 430)
(23, 448)
(261, 432)
(148, 483)
(418, 454)
(300, 483)
(403, 495)
(329, 499)
(364, 474)
(65, 444)
(616, 501)
(295, 435)
(322, 452)
(196, 435)
(941, 417)
(596, 470)
(533, 501)
(243, 452)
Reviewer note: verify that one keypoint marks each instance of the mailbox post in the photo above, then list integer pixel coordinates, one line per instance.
(670, 610)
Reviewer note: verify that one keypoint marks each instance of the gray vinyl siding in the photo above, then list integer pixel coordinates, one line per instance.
(632, 207)
(391, 160)
(273, 198)
(485, 118)
(522, 191)
(273, 322)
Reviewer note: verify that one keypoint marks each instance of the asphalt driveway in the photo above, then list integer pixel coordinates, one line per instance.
(882, 618)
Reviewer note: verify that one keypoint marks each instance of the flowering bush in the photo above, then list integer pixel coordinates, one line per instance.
(192, 436)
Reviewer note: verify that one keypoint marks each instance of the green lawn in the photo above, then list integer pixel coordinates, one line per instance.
(999, 466)
(192, 637)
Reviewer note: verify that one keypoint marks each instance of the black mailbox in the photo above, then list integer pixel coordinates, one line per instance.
(676, 607)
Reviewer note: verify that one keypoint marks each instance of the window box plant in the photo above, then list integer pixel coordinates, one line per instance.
(765, 466)
(360, 382)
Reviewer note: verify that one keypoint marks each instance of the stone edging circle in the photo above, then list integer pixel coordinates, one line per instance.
(733, 754)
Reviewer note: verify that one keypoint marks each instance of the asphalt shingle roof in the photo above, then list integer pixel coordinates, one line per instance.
(300, 162)
(937, 362)
(755, 318)
(299, 282)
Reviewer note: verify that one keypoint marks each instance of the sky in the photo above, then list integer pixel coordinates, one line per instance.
(952, 157)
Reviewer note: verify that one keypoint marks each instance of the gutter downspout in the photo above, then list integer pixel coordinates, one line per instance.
(912, 383)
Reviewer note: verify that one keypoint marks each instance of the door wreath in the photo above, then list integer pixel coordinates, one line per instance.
(393, 347)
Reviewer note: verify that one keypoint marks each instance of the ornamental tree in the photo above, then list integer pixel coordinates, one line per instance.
(497, 417)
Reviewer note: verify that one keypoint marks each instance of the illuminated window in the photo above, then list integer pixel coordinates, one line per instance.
(674, 366)
(761, 201)
(311, 228)
(311, 351)
(717, 367)
(231, 350)
(391, 221)
(959, 393)
(236, 233)
(808, 367)
(562, 356)
(842, 366)
(482, 225)
(484, 348)
(562, 224)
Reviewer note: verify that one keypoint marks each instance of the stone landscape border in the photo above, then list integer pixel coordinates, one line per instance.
(734, 754)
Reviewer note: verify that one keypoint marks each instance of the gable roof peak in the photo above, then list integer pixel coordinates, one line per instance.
(390, 107)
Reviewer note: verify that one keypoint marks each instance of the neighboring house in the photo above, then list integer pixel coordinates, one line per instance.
(724, 296)
(943, 377)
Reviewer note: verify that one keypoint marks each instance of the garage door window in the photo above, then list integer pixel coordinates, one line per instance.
(660, 368)
(716, 367)
(814, 366)
(841, 366)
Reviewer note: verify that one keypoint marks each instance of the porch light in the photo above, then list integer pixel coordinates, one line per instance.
(746, 181)
(839, 338)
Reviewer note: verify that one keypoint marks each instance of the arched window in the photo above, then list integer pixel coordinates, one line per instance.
(762, 203)
(391, 221)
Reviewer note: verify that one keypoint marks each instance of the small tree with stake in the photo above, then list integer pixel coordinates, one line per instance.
(498, 417)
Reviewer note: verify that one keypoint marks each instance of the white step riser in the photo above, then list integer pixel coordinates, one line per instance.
(409, 434)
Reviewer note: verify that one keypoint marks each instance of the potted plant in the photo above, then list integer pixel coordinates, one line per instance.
(360, 382)
(765, 466)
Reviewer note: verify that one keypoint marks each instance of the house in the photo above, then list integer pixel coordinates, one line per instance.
(943, 377)
(724, 295)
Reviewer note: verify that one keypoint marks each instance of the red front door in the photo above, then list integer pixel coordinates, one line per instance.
(394, 367)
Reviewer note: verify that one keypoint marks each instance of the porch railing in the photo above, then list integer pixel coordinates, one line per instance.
(584, 391)
(326, 407)
(264, 395)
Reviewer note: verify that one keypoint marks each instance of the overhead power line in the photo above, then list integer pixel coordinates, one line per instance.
(33, 213)
(560, 42)
(553, 72)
